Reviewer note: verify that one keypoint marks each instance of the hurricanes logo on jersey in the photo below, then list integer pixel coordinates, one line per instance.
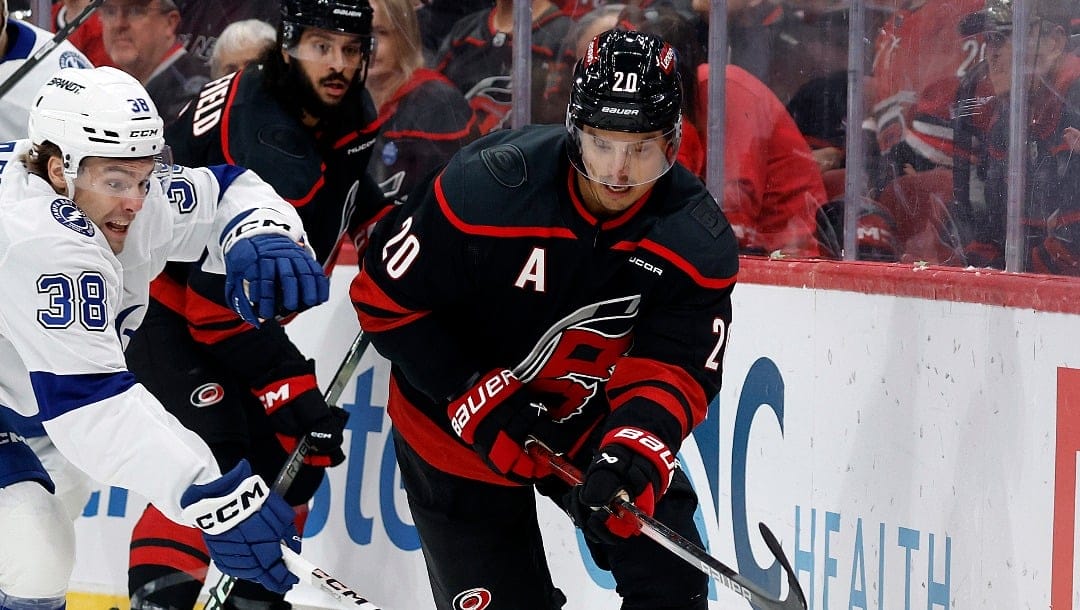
(472, 599)
(578, 353)
(68, 214)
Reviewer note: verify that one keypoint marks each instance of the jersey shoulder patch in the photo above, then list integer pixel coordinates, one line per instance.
(65, 212)
(506, 163)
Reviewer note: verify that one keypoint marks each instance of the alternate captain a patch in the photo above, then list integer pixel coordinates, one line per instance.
(68, 214)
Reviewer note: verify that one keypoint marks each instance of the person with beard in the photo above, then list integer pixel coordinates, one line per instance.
(303, 120)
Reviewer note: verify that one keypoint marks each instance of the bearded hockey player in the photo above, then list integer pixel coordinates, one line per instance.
(302, 120)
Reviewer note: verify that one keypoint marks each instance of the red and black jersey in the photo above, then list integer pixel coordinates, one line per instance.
(919, 60)
(479, 60)
(237, 120)
(421, 126)
(495, 262)
(323, 172)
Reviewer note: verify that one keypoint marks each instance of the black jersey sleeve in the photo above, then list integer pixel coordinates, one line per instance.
(416, 272)
(674, 370)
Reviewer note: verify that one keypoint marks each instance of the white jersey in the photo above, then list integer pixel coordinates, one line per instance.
(15, 104)
(68, 303)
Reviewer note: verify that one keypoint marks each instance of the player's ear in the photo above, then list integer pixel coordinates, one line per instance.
(56, 174)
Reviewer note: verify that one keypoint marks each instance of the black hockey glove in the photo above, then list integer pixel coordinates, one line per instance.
(291, 398)
(495, 417)
(629, 460)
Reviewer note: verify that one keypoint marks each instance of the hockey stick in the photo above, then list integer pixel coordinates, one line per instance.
(224, 586)
(315, 576)
(52, 43)
(683, 548)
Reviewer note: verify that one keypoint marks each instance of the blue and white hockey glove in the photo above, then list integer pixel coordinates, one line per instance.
(244, 524)
(270, 274)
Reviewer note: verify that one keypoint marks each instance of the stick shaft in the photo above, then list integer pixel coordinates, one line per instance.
(61, 35)
(221, 590)
(678, 544)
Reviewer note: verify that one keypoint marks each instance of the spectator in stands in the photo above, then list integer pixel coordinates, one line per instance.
(680, 33)
(423, 118)
(919, 62)
(437, 17)
(773, 191)
(18, 41)
(1051, 212)
(140, 36)
(202, 21)
(785, 43)
(240, 44)
(578, 36)
(86, 37)
(477, 57)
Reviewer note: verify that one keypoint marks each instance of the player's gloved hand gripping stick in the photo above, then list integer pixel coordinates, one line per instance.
(297, 564)
(683, 548)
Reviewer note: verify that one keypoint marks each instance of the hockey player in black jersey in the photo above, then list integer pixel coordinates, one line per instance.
(302, 120)
(571, 284)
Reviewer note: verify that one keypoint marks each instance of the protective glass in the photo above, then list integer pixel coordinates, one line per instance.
(622, 159)
(127, 178)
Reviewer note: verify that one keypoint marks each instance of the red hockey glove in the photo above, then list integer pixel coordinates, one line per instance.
(291, 398)
(631, 460)
(495, 417)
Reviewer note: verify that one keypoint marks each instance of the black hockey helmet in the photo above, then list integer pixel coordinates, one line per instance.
(345, 16)
(626, 81)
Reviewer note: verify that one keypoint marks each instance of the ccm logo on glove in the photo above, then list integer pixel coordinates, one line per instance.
(255, 226)
(217, 515)
(494, 389)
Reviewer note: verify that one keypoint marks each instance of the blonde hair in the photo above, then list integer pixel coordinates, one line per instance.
(405, 31)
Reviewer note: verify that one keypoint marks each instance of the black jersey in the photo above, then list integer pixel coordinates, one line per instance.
(479, 60)
(175, 82)
(495, 262)
(421, 126)
(235, 119)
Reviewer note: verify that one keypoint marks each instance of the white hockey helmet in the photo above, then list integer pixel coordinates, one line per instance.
(98, 112)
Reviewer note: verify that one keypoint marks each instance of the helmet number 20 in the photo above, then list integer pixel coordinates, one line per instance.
(626, 82)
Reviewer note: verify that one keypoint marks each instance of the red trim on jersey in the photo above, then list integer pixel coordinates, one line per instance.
(686, 266)
(306, 199)
(169, 293)
(225, 115)
(493, 231)
(434, 444)
(577, 199)
(201, 312)
(365, 290)
(389, 108)
(153, 525)
(630, 372)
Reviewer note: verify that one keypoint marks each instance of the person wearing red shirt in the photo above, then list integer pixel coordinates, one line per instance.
(86, 37)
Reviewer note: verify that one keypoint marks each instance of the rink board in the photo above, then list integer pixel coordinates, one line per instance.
(909, 452)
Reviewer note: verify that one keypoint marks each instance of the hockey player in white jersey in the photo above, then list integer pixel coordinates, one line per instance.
(89, 213)
(18, 41)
